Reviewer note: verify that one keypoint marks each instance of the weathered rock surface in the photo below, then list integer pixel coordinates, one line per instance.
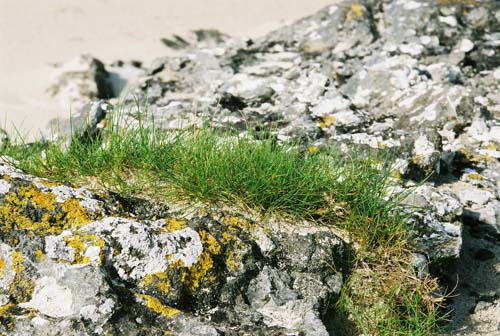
(70, 266)
(419, 79)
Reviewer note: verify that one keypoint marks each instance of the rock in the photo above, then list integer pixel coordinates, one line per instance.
(90, 272)
(412, 78)
(80, 81)
(438, 227)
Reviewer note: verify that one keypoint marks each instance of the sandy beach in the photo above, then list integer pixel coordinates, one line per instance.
(35, 35)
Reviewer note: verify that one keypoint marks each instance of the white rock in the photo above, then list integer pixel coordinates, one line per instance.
(465, 45)
(51, 299)
(4, 186)
(449, 20)
(468, 193)
(39, 322)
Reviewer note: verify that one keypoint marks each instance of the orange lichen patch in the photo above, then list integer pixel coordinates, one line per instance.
(326, 121)
(80, 243)
(174, 224)
(21, 288)
(155, 304)
(39, 255)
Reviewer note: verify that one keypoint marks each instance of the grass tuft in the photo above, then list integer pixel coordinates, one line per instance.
(382, 295)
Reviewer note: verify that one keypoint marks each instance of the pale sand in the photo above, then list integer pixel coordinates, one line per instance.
(35, 34)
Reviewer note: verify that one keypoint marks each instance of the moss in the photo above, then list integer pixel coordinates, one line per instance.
(155, 304)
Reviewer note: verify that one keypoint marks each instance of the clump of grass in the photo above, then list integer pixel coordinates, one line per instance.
(382, 295)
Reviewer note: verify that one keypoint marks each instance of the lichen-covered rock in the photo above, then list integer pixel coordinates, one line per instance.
(438, 227)
(67, 266)
(418, 79)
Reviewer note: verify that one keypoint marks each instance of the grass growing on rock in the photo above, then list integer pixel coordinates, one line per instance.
(382, 294)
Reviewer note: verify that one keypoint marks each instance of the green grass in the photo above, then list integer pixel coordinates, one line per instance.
(382, 295)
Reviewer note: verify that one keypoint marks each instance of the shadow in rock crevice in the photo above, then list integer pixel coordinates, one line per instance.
(475, 303)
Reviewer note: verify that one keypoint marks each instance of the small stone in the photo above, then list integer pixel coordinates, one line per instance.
(465, 45)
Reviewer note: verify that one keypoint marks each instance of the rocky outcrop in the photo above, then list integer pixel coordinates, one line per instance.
(418, 79)
(73, 263)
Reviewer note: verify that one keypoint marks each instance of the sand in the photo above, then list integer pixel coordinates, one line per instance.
(35, 35)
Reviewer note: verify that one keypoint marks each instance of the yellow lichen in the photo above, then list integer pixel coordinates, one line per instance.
(158, 280)
(2, 266)
(233, 261)
(356, 11)
(38, 198)
(474, 176)
(155, 304)
(174, 224)
(39, 255)
(226, 237)
(17, 262)
(52, 218)
(211, 244)
(198, 272)
(80, 243)
(20, 288)
(5, 308)
(326, 121)
(76, 214)
(455, 2)
(493, 147)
